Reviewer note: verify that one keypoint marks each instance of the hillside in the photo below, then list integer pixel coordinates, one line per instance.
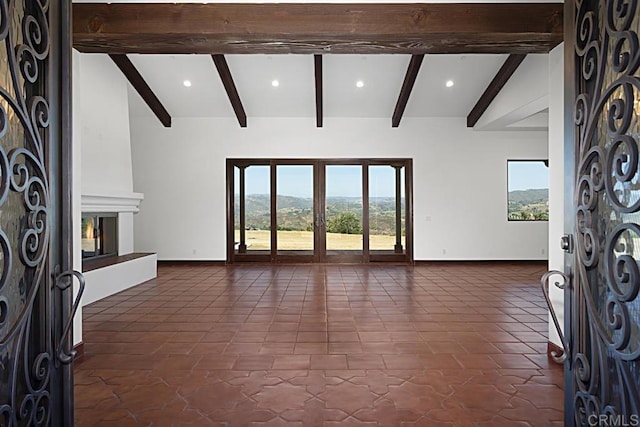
(536, 195)
(529, 205)
(296, 213)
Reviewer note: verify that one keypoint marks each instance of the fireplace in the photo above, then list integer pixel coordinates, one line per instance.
(99, 235)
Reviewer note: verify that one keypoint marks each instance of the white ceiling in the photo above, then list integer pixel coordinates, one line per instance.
(382, 76)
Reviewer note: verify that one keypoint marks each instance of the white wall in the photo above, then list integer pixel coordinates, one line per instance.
(103, 115)
(460, 180)
(125, 233)
(104, 122)
(76, 188)
(556, 180)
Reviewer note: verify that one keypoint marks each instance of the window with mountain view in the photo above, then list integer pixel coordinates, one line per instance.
(528, 190)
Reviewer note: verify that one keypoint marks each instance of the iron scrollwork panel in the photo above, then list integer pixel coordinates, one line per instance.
(605, 324)
(29, 340)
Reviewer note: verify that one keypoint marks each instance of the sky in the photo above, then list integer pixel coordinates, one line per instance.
(342, 181)
(346, 181)
(527, 175)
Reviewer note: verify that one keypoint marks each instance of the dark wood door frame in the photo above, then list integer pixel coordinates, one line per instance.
(319, 208)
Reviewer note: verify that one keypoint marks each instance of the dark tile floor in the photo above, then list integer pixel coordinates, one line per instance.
(438, 344)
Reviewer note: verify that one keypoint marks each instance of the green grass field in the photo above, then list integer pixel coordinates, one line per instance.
(303, 240)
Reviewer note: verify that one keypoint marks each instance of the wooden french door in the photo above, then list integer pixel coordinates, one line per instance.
(319, 210)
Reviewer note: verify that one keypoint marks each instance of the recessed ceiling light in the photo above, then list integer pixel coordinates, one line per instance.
(359, 83)
(449, 83)
(187, 83)
(275, 83)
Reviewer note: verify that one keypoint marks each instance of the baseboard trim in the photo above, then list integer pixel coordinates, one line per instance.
(481, 261)
(203, 262)
(79, 352)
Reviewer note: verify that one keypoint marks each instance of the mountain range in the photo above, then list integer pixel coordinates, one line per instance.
(296, 213)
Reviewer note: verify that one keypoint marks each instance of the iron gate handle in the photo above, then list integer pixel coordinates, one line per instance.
(544, 281)
(63, 285)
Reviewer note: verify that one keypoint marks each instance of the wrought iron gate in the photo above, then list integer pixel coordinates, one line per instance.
(602, 307)
(35, 216)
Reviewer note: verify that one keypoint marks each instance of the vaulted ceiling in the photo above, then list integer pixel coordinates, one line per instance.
(467, 44)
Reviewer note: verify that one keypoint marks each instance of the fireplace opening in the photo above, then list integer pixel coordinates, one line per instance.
(99, 235)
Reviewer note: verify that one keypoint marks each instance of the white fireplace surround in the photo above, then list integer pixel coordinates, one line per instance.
(124, 204)
(101, 202)
(117, 277)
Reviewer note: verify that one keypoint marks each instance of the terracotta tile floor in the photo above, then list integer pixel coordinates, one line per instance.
(437, 344)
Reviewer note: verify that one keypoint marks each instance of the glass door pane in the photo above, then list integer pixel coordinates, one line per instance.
(252, 209)
(343, 209)
(387, 201)
(295, 209)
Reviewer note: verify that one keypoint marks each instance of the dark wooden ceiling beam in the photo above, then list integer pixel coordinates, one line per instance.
(501, 78)
(317, 65)
(273, 28)
(407, 86)
(230, 87)
(137, 81)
